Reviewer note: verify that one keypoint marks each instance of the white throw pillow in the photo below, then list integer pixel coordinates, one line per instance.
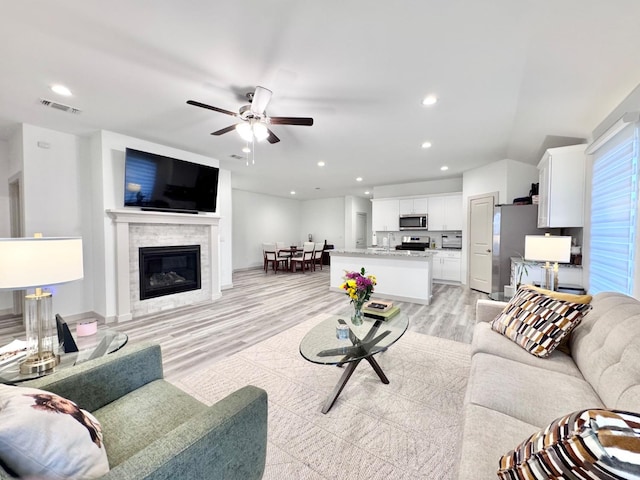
(46, 436)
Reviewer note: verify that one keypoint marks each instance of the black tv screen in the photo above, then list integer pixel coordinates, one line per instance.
(156, 182)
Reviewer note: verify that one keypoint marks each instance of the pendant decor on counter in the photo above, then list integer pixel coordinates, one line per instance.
(359, 287)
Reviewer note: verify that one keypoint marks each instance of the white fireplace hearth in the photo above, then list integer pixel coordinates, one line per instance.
(136, 229)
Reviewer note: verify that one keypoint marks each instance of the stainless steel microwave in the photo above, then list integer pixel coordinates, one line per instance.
(413, 222)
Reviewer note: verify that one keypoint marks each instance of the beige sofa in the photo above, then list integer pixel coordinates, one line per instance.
(511, 394)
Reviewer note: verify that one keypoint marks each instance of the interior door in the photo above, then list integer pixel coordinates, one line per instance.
(361, 230)
(480, 241)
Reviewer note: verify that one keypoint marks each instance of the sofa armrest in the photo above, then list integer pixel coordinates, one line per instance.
(228, 441)
(95, 383)
(487, 310)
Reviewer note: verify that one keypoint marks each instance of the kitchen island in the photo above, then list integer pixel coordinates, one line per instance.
(402, 275)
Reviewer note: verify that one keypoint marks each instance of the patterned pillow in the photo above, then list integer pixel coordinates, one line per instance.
(588, 444)
(43, 435)
(538, 322)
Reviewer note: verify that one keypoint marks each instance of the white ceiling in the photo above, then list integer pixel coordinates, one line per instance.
(511, 77)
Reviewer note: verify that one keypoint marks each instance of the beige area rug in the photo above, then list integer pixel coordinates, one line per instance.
(408, 429)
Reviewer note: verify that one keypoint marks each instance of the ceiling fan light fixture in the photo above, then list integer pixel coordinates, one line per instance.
(260, 131)
(244, 130)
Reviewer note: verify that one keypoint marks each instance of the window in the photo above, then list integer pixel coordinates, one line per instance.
(614, 200)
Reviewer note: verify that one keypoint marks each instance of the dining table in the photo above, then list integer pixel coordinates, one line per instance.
(293, 251)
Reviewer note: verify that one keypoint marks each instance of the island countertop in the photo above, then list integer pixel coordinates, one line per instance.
(402, 274)
(379, 252)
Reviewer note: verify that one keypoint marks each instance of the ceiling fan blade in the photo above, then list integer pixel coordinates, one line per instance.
(224, 130)
(272, 137)
(291, 121)
(215, 109)
(260, 100)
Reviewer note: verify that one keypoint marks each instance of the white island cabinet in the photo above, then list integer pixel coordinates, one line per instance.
(401, 275)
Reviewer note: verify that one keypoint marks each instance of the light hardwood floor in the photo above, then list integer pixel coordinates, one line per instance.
(261, 305)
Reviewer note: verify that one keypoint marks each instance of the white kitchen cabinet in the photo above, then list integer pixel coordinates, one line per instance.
(561, 191)
(410, 206)
(385, 214)
(446, 266)
(445, 212)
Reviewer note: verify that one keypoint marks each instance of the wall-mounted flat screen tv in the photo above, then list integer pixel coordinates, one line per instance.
(156, 182)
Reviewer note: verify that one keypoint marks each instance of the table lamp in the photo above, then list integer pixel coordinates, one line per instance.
(548, 248)
(32, 263)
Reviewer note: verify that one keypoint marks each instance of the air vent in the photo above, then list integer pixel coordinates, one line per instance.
(59, 106)
(237, 157)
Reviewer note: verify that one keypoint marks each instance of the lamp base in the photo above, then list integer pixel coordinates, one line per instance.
(549, 278)
(39, 363)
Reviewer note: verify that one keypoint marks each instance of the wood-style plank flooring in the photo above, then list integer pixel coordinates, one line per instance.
(261, 305)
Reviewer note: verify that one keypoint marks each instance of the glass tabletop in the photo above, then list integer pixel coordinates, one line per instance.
(101, 343)
(322, 345)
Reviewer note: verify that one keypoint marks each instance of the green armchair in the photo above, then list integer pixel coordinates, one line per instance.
(154, 430)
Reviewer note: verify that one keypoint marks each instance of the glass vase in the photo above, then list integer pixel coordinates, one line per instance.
(357, 316)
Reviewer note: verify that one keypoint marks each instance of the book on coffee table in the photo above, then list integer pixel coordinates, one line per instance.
(378, 305)
(386, 315)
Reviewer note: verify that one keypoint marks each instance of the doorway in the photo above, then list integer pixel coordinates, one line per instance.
(16, 229)
(361, 230)
(481, 240)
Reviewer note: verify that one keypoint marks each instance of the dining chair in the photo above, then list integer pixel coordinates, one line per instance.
(272, 258)
(306, 260)
(318, 250)
(282, 246)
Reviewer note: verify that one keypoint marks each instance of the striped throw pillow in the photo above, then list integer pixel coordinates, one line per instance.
(588, 444)
(538, 322)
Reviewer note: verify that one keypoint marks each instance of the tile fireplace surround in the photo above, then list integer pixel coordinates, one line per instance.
(135, 229)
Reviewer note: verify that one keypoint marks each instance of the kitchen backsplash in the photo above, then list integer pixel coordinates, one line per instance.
(396, 237)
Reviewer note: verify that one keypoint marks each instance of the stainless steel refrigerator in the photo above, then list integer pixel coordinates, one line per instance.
(510, 225)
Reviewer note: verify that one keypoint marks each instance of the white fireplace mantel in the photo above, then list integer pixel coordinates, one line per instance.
(124, 218)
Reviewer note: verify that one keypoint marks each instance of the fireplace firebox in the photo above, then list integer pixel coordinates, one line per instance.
(168, 270)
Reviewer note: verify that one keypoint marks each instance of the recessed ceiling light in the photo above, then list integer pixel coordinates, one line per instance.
(444, 167)
(367, 192)
(426, 145)
(61, 90)
(246, 150)
(321, 164)
(429, 100)
(359, 179)
(292, 192)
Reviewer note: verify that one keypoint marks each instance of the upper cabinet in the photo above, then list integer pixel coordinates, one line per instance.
(445, 212)
(385, 215)
(561, 192)
(410, 206)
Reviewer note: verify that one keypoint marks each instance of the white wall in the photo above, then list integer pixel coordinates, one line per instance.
(55, 190)
(510, 178)
(259, 218)
(324, 219)
(430, 187)
(225, 209)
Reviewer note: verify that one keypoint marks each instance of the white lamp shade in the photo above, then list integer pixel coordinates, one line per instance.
(37, 262)
(547, 248)
(244, 130)
(260, 131)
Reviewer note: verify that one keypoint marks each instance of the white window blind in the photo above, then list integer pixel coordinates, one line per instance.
(613, 214)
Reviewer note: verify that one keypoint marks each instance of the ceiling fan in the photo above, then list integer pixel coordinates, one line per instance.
(254, 117)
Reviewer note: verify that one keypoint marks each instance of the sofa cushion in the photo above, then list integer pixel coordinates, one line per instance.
(531, 394)
(141, 417)
(43, 435)
(487, 435)
(537, 322)
(606, 349)
(585, 444)
(486, 340)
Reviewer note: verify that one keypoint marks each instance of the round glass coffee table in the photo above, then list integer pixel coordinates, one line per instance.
(103, 342)
(324, 345)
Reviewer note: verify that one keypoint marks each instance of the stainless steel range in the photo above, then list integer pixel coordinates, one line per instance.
(416, 244)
